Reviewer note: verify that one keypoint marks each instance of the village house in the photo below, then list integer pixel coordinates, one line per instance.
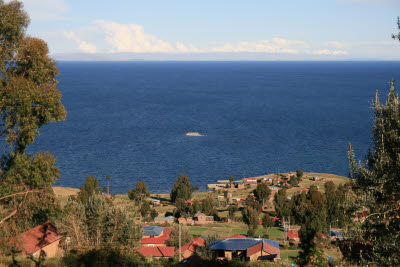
(156, 252)
(292, 235)
(156, 202)
(40, 240)
(188, 220)
(250, 249)
(239, 185)
(190, 248)
(250, 181)
(151, 239)
(164, 220)
(316, 178)
(201, 218)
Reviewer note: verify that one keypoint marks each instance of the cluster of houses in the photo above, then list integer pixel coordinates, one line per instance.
(154, 245)
(199, 218)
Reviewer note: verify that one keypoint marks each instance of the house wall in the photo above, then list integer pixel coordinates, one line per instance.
(154, 245)
(52, 250)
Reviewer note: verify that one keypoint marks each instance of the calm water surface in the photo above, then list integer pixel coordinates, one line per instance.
(128, 120)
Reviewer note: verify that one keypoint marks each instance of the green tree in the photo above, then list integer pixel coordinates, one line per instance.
(267, 222)
(294, 181)
(181, 208)
(139, 194)
(182, 188)
(299, 173)
(204, 251)
(250, 217)
(262, 192)
(282, 204)
(153, 213)
(377, 184)
(29, 99)
(173, 240)
(90, 188)
(231, 180)
(207, 206)
(231, 210)
(145, 208)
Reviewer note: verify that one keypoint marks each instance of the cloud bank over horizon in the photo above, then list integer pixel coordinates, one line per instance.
(105, 35)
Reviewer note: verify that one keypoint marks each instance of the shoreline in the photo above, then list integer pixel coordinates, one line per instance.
(69, 191)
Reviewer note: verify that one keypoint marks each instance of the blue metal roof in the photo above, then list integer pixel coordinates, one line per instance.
(240, 243)
(169, 218)
(234, 244)
(152, 230)
(330, 258)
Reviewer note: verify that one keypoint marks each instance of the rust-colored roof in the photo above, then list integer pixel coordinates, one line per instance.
(234, 236)
(167, 231)
(292, 234)
(192, 246)
(156, 251)
(37, 238)
(254, 249)
(271, 250)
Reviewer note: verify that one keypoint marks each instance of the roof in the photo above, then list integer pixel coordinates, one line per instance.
(156, 251)
(292, 234)
(37, 237)
(192, 246)
(157, 240)
(234, 236)
(152, 230)
(199, 214)
(169, 218)
(233, 244)
(250, 245)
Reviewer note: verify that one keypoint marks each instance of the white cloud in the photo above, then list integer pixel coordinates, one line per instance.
(327, 52)
(187, 49)
(132, 38)
(82, 45)
(334, 44)
(275, 45)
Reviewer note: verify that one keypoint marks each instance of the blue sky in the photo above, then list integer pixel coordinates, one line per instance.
(217, 29)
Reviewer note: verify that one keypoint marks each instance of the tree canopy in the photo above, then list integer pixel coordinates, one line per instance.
(29, 99)
(182, 188)
(377, 183)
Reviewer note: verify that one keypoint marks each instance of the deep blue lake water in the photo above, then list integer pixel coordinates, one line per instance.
(128, 120)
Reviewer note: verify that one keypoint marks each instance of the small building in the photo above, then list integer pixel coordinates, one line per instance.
(156, 252)
(164, 220)
(42, 239)
(156, 240)
(239, 185)
(250, 249)
(250, 181)
(189, 249)
(292, 235)
(156, 202)
(316, 178)
(201, 218)
(182, 220)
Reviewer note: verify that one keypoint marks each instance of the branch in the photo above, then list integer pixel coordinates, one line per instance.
(21, 193)
(8, 217)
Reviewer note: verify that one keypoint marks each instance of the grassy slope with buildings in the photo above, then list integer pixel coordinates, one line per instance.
(227, 229)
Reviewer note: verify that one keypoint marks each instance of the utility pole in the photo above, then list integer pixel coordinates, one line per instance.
(180, 237)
